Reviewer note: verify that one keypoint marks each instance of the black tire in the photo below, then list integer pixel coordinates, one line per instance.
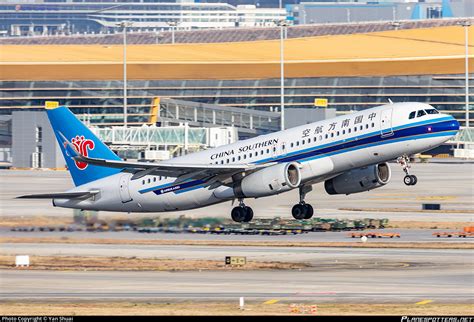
(248, 214)
(298, 211)
(309, 211)
(408, 180)
(414, 180)
(238, 214)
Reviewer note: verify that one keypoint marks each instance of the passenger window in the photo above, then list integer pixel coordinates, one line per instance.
(337, 133)
(361, 127)
(291, 144)
(320, 137)
(143, 181)
(154, 179)
(238, 157)
(227, 161)
(268, 151)
(349, 130)
(233, 159)
(420, 113)
(149, 180)
(355, 129)
(274, 149)
(245, 156)
(261, 152)
(326, 136)
(250, 154)
(332, 134)
(302, 142)
(222, 161)
(412, 115)
(297, 143)
(373, 124)
(314, 139)
(367, 126)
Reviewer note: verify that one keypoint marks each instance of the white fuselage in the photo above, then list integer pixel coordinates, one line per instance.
(323, 149)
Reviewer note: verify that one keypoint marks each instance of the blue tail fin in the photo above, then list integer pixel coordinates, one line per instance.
(66, 125)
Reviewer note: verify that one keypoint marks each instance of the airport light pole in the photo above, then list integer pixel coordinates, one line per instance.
(282, 24)
(173, 25)
(124, 25)
(466, 24)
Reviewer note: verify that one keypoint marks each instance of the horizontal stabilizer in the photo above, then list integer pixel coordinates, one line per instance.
(61, 195)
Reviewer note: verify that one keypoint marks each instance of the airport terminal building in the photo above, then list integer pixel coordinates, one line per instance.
(353, 66)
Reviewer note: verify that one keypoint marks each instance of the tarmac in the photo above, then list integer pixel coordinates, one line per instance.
(337, 275)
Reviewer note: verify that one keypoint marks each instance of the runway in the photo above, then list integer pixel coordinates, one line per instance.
(335, 275)
(363, 286)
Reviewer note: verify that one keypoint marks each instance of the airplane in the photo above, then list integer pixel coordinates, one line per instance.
(349, 153)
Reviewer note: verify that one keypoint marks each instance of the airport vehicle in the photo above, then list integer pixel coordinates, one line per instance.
(348, 153)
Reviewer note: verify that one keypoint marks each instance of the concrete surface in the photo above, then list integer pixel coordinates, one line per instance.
(338, 275)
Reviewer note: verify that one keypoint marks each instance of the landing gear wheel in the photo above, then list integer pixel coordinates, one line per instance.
(238, 214)
(242, 214)
(410, 180)
(309, 211)
(299, 211)
(249, 214)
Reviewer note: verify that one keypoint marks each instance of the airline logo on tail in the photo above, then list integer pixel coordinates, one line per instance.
(82, 146)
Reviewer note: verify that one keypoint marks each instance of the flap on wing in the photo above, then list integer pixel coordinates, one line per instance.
(173, 169)
(61, 195)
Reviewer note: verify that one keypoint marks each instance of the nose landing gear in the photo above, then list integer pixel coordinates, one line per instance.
(242, 213)
(409, 180)
(303, 210)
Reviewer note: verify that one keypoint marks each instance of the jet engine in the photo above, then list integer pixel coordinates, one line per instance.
(359, 180)
(269, 181)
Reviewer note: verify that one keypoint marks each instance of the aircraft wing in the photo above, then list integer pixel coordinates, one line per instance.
(180, 170)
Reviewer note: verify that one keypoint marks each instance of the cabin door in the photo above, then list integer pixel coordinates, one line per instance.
(124, 189)
(386, 122)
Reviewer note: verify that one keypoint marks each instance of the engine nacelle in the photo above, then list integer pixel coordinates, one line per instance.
(269, 181)
(359, 180)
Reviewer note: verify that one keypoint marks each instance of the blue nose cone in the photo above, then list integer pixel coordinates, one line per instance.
(455, 124)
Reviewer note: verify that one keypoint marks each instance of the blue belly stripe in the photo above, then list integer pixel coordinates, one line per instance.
(446, 126)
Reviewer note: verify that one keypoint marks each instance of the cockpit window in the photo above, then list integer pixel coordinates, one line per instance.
(420, 113)
(432, 111)
(412, 115)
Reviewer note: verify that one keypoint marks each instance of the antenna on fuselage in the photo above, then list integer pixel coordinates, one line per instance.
(390, 101)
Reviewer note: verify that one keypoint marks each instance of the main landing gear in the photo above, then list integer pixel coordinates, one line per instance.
(409, 180)
(303, 210)
(242, 213)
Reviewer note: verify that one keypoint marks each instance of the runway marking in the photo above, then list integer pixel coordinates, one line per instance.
(271, 301)
(424, 302)
(392, 194)
(315, 293)
(436, 198)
